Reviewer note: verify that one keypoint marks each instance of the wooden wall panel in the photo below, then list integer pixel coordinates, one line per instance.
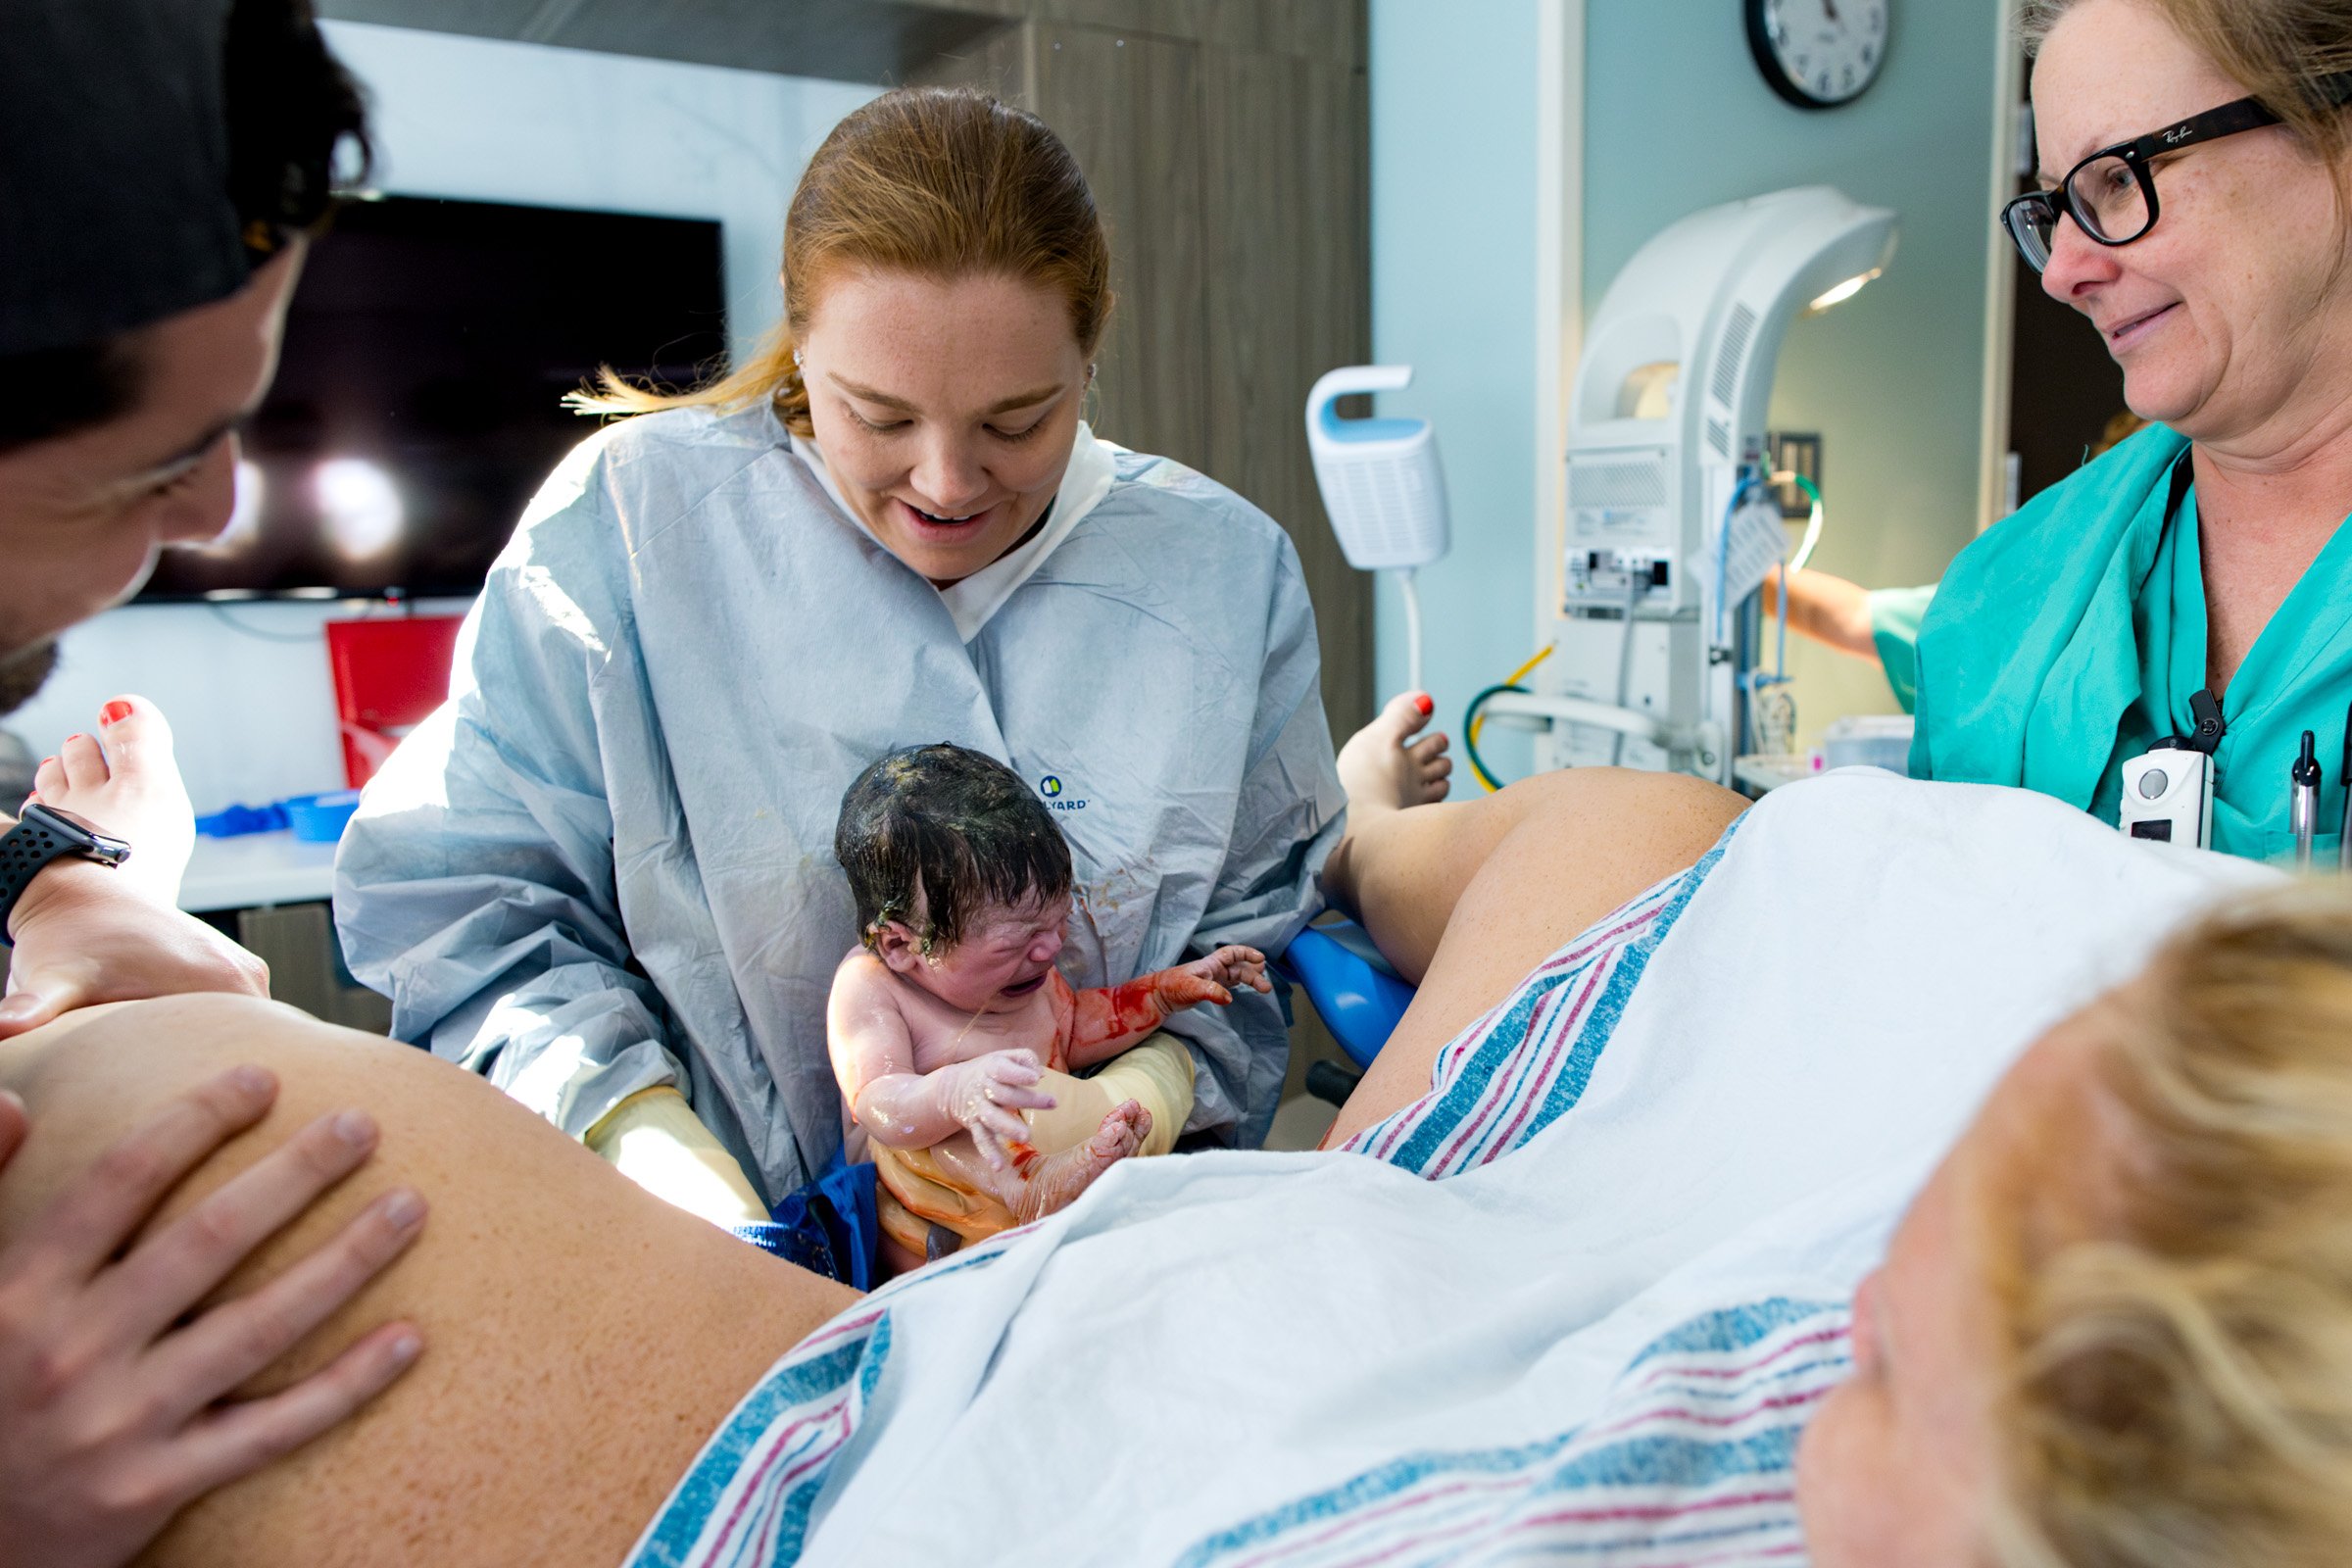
(1130, 108)
(1289, 297)
(1227, 144)
(1004, 64)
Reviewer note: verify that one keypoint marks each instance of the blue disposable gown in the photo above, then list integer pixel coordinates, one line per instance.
(606, 863)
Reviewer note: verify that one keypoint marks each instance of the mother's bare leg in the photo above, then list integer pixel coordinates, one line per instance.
(1465, 898)
(583, 1339)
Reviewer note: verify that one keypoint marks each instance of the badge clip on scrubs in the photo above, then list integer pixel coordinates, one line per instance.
(2168, 791)
(1382, 486)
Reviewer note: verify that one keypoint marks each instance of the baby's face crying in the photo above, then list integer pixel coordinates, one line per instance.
(1003, 958)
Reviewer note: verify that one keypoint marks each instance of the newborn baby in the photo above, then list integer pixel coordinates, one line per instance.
(950, 1030)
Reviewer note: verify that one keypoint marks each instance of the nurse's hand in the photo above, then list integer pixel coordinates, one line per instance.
(987, 1095)
(84, 936)
(115, 1407)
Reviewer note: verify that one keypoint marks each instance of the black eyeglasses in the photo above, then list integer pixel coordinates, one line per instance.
(2111, 195)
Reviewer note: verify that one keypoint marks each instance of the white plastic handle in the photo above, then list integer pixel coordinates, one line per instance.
(1353, 379)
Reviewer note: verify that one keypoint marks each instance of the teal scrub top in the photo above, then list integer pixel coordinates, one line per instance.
(1895, 615)
(2069, 638)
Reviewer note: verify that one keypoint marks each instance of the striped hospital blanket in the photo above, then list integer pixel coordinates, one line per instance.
(1690, 1464)
(1577, 1303)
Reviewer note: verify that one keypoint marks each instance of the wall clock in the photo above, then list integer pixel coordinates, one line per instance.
(1819, 54)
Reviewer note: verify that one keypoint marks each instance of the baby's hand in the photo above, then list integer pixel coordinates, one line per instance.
(1211, 977)
(987, 1095)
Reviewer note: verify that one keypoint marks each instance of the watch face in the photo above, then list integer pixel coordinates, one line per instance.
(102, 846)
(1818, 53)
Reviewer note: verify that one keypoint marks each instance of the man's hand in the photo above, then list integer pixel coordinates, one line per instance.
(84, 937)
(114, 1410)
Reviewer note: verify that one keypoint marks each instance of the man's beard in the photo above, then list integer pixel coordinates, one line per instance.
(23, 672)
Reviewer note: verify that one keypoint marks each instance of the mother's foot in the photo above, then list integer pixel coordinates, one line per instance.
(1384, 769)
(126, 783)
(1043, 1183)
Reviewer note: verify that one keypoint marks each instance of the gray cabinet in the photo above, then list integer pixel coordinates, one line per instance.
(296, 941)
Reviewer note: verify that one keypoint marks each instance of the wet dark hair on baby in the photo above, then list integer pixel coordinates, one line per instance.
(958, 828)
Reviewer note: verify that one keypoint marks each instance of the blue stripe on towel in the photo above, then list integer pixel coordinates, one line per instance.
(1422, 1137)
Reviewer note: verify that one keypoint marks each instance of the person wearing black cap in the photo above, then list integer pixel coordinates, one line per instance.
(161, 165)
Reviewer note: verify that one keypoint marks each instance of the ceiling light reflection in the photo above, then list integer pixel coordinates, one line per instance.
(360, 506)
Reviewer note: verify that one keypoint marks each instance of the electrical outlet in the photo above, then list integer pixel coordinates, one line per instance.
(1795, 452)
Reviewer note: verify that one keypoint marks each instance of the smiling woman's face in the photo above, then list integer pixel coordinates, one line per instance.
(1898, 1465)
(2227, 316)
(946, 409)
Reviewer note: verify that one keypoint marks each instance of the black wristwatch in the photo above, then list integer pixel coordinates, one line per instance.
(41, 835)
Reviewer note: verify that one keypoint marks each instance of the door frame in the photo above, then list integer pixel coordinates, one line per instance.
(2000, 269)
(1559, 282)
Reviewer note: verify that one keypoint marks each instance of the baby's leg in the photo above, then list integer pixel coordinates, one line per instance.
(1084, 1135)
(950, 1194)
(581, 1338)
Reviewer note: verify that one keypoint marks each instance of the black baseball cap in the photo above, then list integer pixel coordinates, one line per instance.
(117, 198)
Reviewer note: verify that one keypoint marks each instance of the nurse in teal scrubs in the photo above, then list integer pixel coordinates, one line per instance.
(2207, 242)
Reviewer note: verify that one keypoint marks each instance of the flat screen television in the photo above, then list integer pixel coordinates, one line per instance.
(419, 397)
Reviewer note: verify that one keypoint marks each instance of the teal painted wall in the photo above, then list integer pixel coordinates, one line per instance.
(1675, 117)
(1453, 295)
(1678, 118)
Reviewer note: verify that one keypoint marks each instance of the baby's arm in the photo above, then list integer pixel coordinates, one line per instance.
(873, 1062)
(1098, 1024)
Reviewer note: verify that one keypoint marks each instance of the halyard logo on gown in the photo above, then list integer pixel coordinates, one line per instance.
(1050, 788)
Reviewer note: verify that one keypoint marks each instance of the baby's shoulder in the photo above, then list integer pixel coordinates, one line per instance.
(862, 972)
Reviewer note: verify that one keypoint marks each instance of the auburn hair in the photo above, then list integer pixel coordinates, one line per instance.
(943, 183)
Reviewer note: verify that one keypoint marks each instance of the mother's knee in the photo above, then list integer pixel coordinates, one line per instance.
(91, 1077)
(477, 1156)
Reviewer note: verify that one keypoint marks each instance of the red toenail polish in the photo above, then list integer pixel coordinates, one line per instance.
(70, 738)
(114, 713)
(1423, 702)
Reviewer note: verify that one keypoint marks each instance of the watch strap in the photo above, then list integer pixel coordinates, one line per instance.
(40, 836)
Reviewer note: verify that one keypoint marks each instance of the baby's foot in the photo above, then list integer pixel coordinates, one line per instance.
(1384, 769)
(1043, 1183)
(126, 783)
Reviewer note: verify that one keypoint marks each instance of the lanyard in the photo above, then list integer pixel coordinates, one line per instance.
(2208, 729)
